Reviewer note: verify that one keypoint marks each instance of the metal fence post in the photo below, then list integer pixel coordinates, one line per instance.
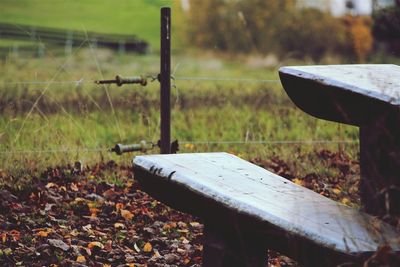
(165, 81)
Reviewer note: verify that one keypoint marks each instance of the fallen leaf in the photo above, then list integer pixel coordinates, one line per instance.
(50, 185)
(119, 206)
(336, 191)
(194, 224)
(58, 244)
(93, 212)
(119, 225)
(7, 251)
(297, 181)
(3, 237)
(345, 201)
(135, 246)
(94, 244)
(74, 187)
(16, 235)
(44, 233)
(147, 247)
(126, 214)
(81, 259)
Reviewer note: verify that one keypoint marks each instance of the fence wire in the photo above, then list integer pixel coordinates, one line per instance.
(233, 142)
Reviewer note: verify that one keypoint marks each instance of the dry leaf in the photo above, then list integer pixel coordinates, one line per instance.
(119, 206)
(345, 201)
(194, 224)
(44, 233)
(74, 187)
(93, 212)
(94, 244)
(147, 247)
(126, 214)
(3, 237)
(297, 181)
(119, 225)
(135, 246)
(16, 235)
(81, 258)
(50, 185)
(336, 191)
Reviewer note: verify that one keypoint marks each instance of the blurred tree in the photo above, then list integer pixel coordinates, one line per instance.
(274, 26)
(311, 32)
(358, 30)
(386, 26)
(236, 25)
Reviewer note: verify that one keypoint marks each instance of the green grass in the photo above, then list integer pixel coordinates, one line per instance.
(69, 116)
(135, 17)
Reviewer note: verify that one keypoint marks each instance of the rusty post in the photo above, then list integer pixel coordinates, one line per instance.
(165, 81)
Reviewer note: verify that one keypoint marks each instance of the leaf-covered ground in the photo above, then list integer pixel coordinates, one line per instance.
(70, 216)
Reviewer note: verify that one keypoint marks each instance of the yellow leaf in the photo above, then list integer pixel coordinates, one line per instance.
(336, 191)
(94, 244)
(43, 233)
(147, 247)
(50, 185)
(297, 181)
(63, 188)
(93, 212)
(345, 201)
(119, 225)
(3, 237)
(131, 265)
(126, 214)
(91, 177)
(129, 183)
(81, 258)
(79, 200)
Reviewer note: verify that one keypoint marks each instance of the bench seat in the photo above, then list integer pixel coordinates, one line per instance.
(252, 209)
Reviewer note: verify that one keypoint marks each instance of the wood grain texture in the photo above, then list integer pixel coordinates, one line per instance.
(262, 196)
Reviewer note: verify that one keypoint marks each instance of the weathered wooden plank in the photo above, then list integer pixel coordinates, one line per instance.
(367, 96)
(262, 196)
(343, 93)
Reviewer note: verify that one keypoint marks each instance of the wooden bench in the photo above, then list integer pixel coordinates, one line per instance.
(247, 209)
(367, 96)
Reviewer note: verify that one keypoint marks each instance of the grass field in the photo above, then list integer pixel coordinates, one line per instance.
(51, 124)
(138, 17)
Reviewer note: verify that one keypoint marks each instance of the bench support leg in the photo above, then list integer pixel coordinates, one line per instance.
(227, 246)
(380, 165)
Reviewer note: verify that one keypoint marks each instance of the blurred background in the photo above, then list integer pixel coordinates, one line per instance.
(226, 93)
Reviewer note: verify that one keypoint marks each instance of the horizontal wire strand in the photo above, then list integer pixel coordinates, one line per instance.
(225, 79)
(77, 82)
(311, 142)
(272, 142)
(179, 78)
(54, 151)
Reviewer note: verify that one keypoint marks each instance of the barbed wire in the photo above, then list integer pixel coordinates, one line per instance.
(233, 142)
(178, 78)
